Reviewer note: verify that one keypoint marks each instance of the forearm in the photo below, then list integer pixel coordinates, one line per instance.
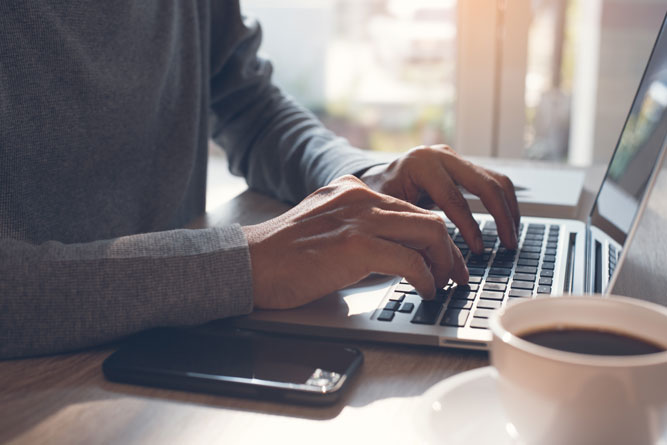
(58, 297)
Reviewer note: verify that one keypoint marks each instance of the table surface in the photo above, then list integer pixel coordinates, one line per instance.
(65, 398)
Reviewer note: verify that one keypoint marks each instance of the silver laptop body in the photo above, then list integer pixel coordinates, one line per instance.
(572, 256)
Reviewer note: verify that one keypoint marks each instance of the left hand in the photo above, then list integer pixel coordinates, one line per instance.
(431, 175)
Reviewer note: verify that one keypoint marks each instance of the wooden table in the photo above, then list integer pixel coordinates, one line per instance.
(65, 399)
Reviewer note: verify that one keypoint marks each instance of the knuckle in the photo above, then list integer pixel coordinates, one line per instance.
(494, 187)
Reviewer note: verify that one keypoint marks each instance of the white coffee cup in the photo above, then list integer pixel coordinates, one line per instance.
(557, 397)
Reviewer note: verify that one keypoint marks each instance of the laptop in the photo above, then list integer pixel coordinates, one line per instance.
(554, 257)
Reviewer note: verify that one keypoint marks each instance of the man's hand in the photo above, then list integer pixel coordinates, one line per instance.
(431, 175)
(340, 234)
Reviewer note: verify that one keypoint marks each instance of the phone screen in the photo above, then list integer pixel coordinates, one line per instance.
(244, 363)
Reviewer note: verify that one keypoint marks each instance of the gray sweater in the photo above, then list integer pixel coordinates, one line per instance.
(106, 109)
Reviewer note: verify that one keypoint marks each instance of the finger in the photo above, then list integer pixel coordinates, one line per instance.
(426, 233)
(395, 259)
(459, 269)
(477, 181)
(446, 195)
(510, 193)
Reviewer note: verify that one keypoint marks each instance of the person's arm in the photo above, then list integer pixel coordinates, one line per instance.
(278, 146)
(56, 297)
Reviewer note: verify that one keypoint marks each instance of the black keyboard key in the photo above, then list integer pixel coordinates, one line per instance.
(546, 281)
(549, 258)
(483, 313)
(406, 308)
(543, 289)
(520, 293)
(392, 305)
(549, 266)
(460, 304)
(427, 312)
(523, 285)
(526, 269)
(386, 315)
(535, 226)
(530, 236)
(525, 262)
(546, 273)
(497, 279)
(550, 252)
(532, 243)
(492, 295)
(529, 256)
(524, 277)
(461, 293)
(489, 304)
(476, 271)
(502, 271)
(479, 323)
(474, 279)
(495, 287)
(455, 317)
(530, 249)
(504, 264)
(552, 245)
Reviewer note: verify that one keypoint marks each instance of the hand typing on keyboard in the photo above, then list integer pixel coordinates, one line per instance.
(344, 231)
(430, 175)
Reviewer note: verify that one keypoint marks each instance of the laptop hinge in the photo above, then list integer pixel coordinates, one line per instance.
(569, 265)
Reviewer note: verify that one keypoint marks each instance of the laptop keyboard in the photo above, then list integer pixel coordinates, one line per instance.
(498, 276)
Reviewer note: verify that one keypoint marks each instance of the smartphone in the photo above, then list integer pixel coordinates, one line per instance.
(238, 363)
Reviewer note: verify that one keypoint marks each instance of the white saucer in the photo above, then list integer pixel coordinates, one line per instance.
(464, 409)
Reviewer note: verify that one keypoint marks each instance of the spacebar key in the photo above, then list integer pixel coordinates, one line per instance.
(427, 312)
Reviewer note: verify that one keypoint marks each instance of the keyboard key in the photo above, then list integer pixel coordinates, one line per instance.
(427, 312)
(489, 304)
(546, 273)
(520, 293)
(546, 281)
(392, 305)
(552, 245)
(479, 323)
(386, 315)
(549, 266)
(535, 226)
(495, 287)
(529, 256)
(492, 295)
(526, 269)
(533, 243)
(474, 280)
(504, 264)
(476, 271)
(483, 313)
(543, 289)
(525, 262)
(550, 252)
(497, 279)
(460, 304)
(523, 285)
(461, 293)
(398, 296)
(455, 317)
(524, 277)
(530, 249)
(502, 271)
(406, 308)
(549, 258)
(406, 288)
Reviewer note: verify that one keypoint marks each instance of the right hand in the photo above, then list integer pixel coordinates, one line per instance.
(340, 234)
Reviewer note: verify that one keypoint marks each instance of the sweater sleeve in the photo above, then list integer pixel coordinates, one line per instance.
(58, 297)
(277, 145)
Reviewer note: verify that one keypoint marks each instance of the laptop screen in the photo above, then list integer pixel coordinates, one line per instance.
(638, 151)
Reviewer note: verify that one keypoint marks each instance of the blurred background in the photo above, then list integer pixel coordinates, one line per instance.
(539, 79)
